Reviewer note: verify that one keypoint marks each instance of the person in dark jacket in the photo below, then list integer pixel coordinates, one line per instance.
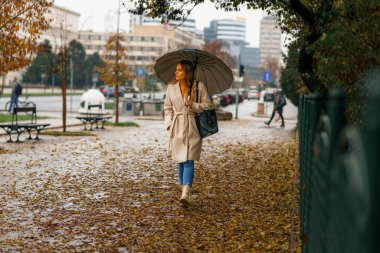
(16, 92)
(278, 104)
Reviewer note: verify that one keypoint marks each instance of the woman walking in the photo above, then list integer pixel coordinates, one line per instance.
(180, 108)
(278, 104)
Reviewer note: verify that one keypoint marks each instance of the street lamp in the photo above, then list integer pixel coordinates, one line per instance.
(43, 75)
(95, 78)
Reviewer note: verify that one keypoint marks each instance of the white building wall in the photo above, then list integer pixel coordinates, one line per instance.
(142, 50)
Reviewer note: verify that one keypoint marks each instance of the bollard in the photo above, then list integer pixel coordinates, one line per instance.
(260, 108)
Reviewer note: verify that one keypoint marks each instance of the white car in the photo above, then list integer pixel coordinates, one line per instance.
(253, 94)
(267, 95)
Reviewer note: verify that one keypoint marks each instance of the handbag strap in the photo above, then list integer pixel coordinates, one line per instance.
(196, 87)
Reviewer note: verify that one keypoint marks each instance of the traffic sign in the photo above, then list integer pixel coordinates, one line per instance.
(267, 76)
(140, 71)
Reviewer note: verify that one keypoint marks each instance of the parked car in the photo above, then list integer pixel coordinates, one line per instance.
(244, 93)
(231, 94)
(267, 95)
(108, 91)
(253, 94)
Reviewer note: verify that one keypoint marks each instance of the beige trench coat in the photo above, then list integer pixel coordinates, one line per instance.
(184, 140)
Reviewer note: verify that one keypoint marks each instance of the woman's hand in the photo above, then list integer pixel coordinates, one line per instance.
(189, 103)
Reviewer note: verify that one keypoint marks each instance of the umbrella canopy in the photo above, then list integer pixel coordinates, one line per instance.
(210, 70)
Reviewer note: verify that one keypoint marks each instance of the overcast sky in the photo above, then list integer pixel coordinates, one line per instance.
(100, 15)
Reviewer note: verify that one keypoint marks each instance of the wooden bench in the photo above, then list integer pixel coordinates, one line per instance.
(19, 128)
(94, 118)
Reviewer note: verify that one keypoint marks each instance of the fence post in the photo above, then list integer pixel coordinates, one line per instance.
(302, 128)
(323, 144)
(313, 109)
(335, 110)
(371, 133)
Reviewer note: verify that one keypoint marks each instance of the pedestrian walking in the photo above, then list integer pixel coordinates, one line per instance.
(180, 108)
(278, 104)
(16, 92)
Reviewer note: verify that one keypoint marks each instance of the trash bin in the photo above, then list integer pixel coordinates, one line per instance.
(130, 106)
(153, 107)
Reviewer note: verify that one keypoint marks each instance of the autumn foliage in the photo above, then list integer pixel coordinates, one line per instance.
(21, 23)
(112, 73)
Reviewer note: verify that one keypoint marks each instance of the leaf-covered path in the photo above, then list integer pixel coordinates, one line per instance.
(118, 192)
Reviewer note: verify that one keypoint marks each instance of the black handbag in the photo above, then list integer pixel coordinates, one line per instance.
(206, 121)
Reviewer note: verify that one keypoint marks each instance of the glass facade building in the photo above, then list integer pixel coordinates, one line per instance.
(230, 31)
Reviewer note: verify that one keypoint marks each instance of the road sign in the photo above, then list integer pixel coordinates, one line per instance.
(140, 71)
(267, 76)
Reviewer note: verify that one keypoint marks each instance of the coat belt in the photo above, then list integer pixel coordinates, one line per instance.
(185, 131)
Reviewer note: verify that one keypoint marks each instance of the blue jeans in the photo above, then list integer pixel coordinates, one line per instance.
(14, 101)
(186, 173)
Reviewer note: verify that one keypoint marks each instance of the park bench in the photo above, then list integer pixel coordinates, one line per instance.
(20, 127)
(94, 118)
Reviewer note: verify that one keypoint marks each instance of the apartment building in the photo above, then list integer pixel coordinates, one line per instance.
(142, 49)
(270, 40)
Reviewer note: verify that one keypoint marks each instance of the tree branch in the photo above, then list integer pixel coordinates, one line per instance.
(23, 11)
(305, 13)
(4, 3)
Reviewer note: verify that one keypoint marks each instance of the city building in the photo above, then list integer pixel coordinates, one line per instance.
(63, 27)
(177, 38)
(144, 45)
(141, 50)
(232, 32)
(270, 40)
(188, 25)
(250, 56)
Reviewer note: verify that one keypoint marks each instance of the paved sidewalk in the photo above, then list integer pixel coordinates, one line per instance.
(117, 191)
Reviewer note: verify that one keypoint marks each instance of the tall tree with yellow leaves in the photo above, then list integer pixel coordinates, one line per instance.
(21, 23)
(115, 71)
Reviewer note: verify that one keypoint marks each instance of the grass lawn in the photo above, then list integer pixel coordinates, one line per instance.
(67, 133)
(123, 124)
(109, 105)
(8, 117)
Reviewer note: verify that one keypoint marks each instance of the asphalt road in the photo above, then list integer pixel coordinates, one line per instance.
(245, 109)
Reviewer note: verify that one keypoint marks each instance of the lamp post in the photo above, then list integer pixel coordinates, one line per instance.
(117, 66)
(95, 78)
(71, 82)
(43, 75)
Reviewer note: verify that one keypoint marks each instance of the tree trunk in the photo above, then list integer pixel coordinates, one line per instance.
(305, 64)
(64, 85)
(117, 103)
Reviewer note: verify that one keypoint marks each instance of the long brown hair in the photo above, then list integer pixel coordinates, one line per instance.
(189, 69)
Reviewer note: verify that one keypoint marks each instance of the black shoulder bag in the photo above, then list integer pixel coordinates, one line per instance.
(206, 120)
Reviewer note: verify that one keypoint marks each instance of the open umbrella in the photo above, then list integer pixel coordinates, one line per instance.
(210, 70)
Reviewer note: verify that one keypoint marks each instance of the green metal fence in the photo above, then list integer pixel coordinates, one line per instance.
(339, 170)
